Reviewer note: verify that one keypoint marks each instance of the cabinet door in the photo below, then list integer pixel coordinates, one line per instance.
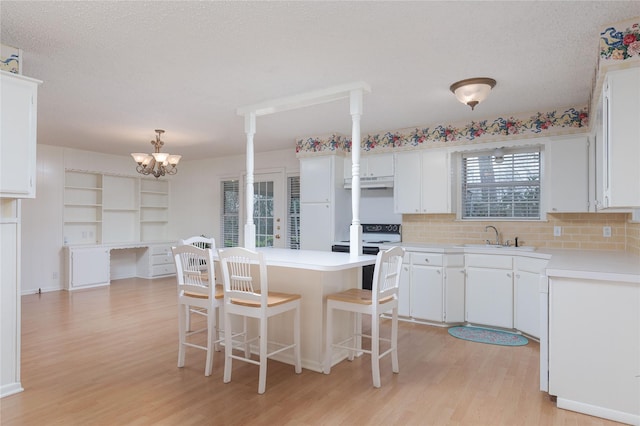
(490, 297)
(316, 179)
(435, 181)
(404, 291)
(527, 311)
(380, 165)
(568, 175)
(454, 295)
(621, 110)
(315, 226)
(407, 183)
(18, 136)
(89, 267)
(426, 293)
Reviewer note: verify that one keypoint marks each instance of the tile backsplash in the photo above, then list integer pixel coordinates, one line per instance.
(578, 231)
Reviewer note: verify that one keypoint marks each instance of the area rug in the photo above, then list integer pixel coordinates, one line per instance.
(486, 335)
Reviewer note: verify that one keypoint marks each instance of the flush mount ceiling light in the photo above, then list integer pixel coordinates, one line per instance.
(159, 163)
(472, 91)
(498, 155)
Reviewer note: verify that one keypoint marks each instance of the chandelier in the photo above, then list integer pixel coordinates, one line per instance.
(159, 163)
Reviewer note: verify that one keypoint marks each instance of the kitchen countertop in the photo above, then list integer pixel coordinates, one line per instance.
(314, 260)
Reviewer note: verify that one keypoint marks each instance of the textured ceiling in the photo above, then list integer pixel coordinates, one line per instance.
(115, 71)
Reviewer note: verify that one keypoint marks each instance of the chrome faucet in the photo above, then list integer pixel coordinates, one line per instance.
(486, 228)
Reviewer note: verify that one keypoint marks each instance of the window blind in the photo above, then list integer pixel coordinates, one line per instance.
(506, 190)
(230, 213)
(293, 202)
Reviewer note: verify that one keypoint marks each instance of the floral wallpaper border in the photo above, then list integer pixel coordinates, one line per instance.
(555, 122)
(619, 45)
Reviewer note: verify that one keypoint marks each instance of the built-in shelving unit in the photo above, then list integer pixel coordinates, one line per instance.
(154, 209)
(102, 208)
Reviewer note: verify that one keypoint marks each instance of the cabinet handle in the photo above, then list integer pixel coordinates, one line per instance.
(426, 259)
(508, 274)
(439, 272)
(518, 276)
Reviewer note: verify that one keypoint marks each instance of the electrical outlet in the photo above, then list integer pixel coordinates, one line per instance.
(55, 276)
(557, 231)
(606, 231)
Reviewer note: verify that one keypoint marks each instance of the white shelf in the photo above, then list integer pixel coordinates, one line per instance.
(102, 208)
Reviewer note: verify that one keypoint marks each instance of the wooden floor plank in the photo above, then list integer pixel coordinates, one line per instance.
(108, 356)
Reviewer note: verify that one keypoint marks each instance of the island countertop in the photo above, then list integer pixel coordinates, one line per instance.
(314, 260)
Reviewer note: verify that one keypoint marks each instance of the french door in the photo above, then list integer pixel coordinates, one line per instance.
(268, 210)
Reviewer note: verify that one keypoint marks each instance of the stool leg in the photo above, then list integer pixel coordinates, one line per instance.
(394, 341)
(211, 333)
(183, 311)
(296, 340)
(375, 349)
(262, 381)
(228, 342)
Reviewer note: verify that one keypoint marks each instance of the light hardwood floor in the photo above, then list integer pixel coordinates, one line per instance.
(108, 356)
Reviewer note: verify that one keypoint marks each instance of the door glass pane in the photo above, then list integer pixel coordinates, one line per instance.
(263, 202)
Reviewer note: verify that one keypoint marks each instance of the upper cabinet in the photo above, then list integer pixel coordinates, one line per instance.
(567, 183)
(620, 147)
(371, 167)
(422, 182)
(18, 121)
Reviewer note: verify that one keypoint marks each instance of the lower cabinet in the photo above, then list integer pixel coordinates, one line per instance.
(156, 261)
(90, 266)
(489, 290)
(527, 288)
(87, 267)
(432, 287)
(404, 290)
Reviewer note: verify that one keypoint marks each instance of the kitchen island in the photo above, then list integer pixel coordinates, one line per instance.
(312, 274)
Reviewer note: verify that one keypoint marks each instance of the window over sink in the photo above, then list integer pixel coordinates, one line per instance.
(501, 185)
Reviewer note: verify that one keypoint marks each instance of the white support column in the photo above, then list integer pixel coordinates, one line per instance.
(250, 227)
(355, 231)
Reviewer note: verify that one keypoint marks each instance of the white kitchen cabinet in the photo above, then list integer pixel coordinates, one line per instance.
(377, 165)
(422, 182)
(489, 290)
(325, 209)
(87, 267)
(527, 273)
(18, 124)
(454, 289)
(620, 149)
(317, 179)
(404, 288)
(432, 287)
(427, 287)
(567, 175)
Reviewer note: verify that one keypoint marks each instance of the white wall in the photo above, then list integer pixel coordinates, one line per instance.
(194, 202)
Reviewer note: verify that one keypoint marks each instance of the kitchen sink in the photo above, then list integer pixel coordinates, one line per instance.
(500, 247)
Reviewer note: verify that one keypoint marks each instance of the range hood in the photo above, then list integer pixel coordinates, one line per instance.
(377, 182)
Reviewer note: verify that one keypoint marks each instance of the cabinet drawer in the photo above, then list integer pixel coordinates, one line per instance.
(530, 265)
(162, 270)
(489, 261)
(161, 249)
(430, 259)
(161, 260)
